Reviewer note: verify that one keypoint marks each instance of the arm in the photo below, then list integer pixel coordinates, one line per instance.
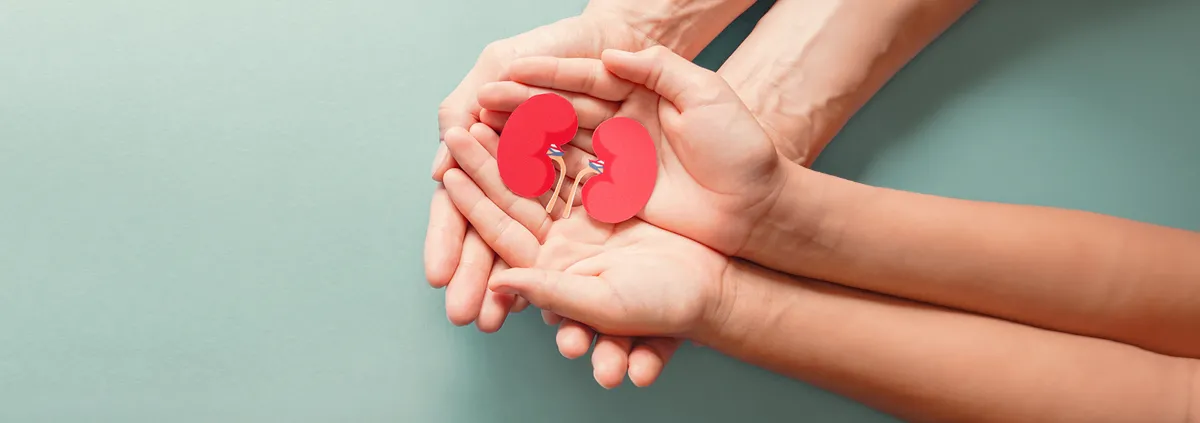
(1065, 270)
(926, 363)
(684, 26)
(809, 65)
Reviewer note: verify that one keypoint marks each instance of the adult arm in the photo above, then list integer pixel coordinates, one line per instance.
(926, 363)
(1071, 271)
(809, 65)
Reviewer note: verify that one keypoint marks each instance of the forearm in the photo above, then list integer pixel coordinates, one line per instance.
(1066, 270)
(931, 364)
(684, 26)
(809, 65)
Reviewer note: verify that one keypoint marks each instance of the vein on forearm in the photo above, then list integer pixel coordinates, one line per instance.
(809, 65)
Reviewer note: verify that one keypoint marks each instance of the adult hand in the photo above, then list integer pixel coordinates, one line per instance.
(455, 256)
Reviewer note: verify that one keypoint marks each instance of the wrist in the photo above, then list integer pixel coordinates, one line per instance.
(722, 318)
(684, 26)
(806, 222)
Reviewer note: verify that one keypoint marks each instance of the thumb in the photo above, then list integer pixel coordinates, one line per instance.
(676, 79)
(581, 298)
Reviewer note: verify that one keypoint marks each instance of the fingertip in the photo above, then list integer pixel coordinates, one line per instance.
(607, 375)
(438, 271)
(506, 281)
(504, 97)
(481, 130)
(460, 316)
(520, 304)
(494, 118)
(610, 360)
(612, 54)
(454, 178)
(494, 313)
(457, 138)
(455, 132)
(644, 368)
(573, 339)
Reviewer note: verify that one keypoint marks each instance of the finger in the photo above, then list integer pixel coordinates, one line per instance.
(495, 306)
(520, 305)
(443, 239)
(583, 143)
(683, 83)
(465, 294)
(550, 318)
(584, 76)
(610, 360)
(494, 119)
(580, 298)
(511, 241)
(573, 339)
(649, 357)
(486, 137)
(441, 162)
(474, 159)
(459, 110)
(505, 96)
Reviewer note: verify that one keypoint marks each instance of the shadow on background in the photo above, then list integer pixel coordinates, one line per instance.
(991, 36)
(699, 385)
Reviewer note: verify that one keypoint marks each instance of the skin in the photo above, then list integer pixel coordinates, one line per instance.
(637, 279)
(809, 65)
(803, 72)
(1066, 270)
(1126, 281)
(455, 258)
(689, 114)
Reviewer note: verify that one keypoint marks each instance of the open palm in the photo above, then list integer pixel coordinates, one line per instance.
(717, 168)
(635, 267)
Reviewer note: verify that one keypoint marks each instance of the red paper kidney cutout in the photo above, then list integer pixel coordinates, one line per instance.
(629, 166)
(535, 125)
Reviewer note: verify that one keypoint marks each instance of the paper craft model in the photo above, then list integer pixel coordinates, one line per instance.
(621, 178)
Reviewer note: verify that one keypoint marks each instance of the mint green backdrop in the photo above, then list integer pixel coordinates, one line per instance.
(214, 211)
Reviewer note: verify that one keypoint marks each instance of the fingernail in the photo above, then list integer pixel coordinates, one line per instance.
(440, 157)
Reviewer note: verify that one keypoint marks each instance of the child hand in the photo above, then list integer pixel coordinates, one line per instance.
(522, 234)
(718, 170)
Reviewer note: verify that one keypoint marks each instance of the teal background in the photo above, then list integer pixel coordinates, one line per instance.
(214, 211)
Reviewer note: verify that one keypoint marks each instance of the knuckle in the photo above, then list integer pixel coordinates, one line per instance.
(589, 82)
(448, 110)
(496, 50)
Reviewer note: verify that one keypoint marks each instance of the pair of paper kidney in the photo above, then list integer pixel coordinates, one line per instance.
(624, 172)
